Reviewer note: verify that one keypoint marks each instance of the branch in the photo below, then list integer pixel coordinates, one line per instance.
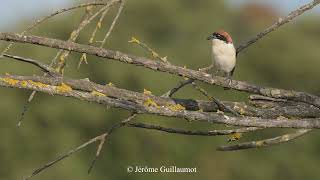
(113, 23)
(265, 143)
(76, 32)
(221, 106)
(277, 24)
(192, 133)
(101, 138)
(38, 22)
(273, 110)
(180, 85)
(88, 91)
(87, 18)
(165, 67)
(43, 67)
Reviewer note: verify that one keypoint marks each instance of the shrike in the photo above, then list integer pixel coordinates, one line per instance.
(223, 53)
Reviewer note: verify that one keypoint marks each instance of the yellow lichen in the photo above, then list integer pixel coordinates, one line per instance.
(281, 118)
(64, 88)
(176, 107)
(164, 59)
(275, 92)
(259, 143)
(154, 54)
(91, 40)
(99, 25)
(111, 84)
(147, 92)
(37, 84)
(242, 111)
(134, 40)
(84, 58)
(96, 93)
(150, 103)
(10, 81)
(220, 112)
(235, 136)
(24, 83)
(73, 35)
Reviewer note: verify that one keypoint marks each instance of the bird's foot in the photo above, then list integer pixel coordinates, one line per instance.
(229, 83)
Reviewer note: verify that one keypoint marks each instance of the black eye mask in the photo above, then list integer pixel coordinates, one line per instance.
(219, 36)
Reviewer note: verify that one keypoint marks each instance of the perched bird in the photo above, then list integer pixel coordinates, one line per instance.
(223, 53)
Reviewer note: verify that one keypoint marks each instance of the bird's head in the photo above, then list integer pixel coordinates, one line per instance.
(221, 35)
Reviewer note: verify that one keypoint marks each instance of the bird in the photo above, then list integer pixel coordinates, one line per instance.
(223, 53)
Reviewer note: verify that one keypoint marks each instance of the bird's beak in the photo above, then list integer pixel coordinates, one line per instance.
(211, 37)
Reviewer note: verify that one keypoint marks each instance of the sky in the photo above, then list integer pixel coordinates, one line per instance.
(13, 11)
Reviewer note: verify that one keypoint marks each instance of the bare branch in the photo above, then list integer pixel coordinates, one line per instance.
(265, 143)
(87, 18)
(165, 67)
(192, 133)
(43, 67)
(104, 136)
(75, 34)
(271, 111)
(38, 22)
(177, 88)
(268, 108)
(88, 91)
(220, 104)
(100, 138)
(279, 23)
(113, 23)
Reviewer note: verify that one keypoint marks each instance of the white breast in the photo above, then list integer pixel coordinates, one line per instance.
(223, 55)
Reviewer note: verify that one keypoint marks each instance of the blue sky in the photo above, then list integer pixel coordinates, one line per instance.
(13, 11)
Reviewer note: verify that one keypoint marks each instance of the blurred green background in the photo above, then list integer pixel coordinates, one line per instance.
(288, 58)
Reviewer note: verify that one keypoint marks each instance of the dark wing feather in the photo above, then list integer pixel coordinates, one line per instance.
(232, 71)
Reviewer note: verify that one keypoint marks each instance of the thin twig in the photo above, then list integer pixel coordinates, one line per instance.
(38, 22)
(100, 138)
(266, 142)
(87, 18)
(43, 67)
(91, 40)
(63, 156)
(103, 139)
(113, 23)
(192, 133)
(220, 105)
(177, 87)
(279, 23)
(75, 33)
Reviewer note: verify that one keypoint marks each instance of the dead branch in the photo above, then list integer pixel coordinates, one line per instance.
(279, 23)
(89, 91)
(266, 142)
(165, 67)
(267, 108)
